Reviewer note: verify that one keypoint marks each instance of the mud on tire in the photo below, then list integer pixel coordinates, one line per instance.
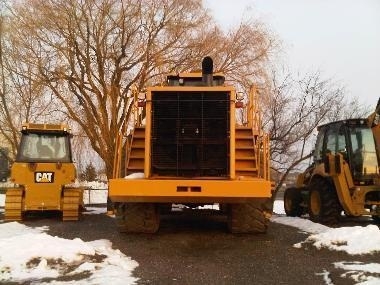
(324, 206)
(137, 217)
(250, 217)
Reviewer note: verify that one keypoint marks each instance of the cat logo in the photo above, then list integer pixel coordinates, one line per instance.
(44, 177)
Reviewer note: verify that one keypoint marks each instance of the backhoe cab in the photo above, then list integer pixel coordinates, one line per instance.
(41, 171)
(344, 175)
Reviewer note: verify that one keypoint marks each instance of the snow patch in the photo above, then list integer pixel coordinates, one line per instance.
(2, 200)
(54, 257)
(353, 240)
(95, 210)
(326, 277)
(137, 175)
(95, 196)
(349, 239)
(278, 207)
(359, 272)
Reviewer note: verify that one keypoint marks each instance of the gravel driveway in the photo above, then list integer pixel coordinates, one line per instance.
(195, 248)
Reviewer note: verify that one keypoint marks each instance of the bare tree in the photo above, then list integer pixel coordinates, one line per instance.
(91, 53)
(294, 107)
(7, 129)
(22, 96)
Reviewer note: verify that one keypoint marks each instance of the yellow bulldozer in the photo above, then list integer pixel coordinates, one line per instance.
(191, 149)
(344, 175)
(42, 169)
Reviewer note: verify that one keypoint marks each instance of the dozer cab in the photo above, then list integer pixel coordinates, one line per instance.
(42, 169)
(191, 150)
(344, 175)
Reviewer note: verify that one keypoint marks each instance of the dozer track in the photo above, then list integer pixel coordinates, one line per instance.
(70, 204)
(13, 204)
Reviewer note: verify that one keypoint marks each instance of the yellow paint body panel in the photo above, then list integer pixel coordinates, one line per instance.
(186, 190)
(44, 194)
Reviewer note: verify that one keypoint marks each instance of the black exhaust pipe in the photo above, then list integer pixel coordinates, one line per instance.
(207, 71)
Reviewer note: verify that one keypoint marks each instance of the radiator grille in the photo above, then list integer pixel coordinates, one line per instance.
(190, 134)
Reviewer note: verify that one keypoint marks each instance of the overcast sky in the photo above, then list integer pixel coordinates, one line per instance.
(340, 38)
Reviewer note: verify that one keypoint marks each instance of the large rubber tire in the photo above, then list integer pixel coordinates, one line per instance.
(376, 219)
(323, 206)
(137, 217)
(292, 202)
(250, 217)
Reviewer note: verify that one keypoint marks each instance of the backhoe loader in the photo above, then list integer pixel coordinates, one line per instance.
(344, 176)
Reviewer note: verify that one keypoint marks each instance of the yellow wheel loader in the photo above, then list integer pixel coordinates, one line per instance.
(41, 171)
(344, 175)
(192, 150)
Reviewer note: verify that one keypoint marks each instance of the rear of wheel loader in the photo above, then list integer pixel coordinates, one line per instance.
(41, 172)
(191, 150)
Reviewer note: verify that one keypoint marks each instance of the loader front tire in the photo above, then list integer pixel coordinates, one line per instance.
(324, 206)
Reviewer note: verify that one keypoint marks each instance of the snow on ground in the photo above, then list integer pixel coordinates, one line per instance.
(359, 271)
(91, 184)
(51, 258)
(95, 196)
(95, 210)
(2, 202)
(353, 240)
(94, 192)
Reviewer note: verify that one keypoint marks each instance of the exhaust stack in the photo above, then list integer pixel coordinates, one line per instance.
(207, 71)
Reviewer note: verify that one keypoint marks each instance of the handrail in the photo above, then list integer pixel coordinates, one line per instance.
(117, 156)
(253, 120)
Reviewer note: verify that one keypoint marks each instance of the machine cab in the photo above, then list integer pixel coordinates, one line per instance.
(39, 144)
(355, 141)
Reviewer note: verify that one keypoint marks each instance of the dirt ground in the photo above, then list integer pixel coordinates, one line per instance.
(196, 248)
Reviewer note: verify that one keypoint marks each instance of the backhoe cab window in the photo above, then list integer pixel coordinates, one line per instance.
(319, 146)
(364, 152)
(336, 142)
(44, 148)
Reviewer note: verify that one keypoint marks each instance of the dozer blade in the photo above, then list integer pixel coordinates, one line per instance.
(71, 203)
(13, 205)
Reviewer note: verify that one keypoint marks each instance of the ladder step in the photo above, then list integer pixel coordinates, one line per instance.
(136, 157)
(138, 146)
(139, 136)
(138, 167)
(248, 169)
(246, 158)
(244, 147)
